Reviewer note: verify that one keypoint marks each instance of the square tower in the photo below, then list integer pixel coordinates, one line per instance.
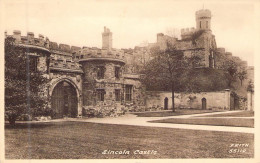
(107, 39)
(203, 19)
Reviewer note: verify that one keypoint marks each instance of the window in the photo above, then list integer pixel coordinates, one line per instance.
(101, 72)
(117, 70)
(207, 24)
(200, 24)
(33, 63)
(128, 92)
(101, 94)
(117, 94)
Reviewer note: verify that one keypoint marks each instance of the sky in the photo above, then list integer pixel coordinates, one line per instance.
(80, 23)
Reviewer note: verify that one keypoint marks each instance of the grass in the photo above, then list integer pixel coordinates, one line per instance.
(171, 113)
(78, 140)
(239, 114)
(235, 122)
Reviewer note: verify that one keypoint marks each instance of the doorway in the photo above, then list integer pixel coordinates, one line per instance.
(64, 100)
(204, 103)
(166, 103)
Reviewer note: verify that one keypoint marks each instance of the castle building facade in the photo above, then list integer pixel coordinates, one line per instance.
(106, 80)
(83, 78)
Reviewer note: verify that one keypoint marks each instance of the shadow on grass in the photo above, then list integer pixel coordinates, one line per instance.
(176, 113)
(34, 125)
(78, 140)
(239, 114)
(233, 122)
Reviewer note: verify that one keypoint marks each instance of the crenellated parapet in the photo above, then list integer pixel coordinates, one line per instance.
(186, 33)
(63, 48)
(203, 13)
(228, 54)
(89, 54)
(221, 50)
(60, 54)
(30, 40)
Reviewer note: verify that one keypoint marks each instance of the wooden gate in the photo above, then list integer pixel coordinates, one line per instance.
(64, 100)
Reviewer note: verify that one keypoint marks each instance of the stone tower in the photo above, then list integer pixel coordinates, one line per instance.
(107, 39)
(203, 19)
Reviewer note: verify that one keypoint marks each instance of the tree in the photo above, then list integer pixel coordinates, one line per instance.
(166, 67)
(23, 93)
(250, 86)
(242, 75)
(231, 68)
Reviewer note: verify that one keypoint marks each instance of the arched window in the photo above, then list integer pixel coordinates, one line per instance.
(166, 103)
(204, 103)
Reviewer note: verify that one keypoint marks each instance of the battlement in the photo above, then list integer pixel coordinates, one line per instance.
(103, 54)
(203, 13)
(161, 38)
(244, 63)
(221, 50)
(228, 54)
(29, 39)
(63, 47)
(187, 31)
(41, 41)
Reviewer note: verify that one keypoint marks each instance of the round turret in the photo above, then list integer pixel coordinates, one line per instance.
(203, 19)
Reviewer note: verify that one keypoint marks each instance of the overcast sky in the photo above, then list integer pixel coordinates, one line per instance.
(81, 23)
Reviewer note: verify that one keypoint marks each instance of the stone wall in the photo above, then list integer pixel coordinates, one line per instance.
(214, 100)
(155, 99)
(109, 83)
(250, 100)
(199, 43)
(138, 98)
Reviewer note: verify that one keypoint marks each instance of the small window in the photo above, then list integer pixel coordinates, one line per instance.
(117, 94)
(207, 24)
(101, 72)
(128, 92)
(117, 70)
(200, 24)
(101, 94)
(33, 63)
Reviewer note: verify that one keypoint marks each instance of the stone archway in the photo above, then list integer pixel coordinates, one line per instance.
(65, 99)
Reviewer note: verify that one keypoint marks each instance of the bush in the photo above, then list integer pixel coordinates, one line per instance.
(25, 117)
(103, 111)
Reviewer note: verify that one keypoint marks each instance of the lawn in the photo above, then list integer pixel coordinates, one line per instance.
(79, 140)
(236, 122)
(239, 114)
(171, 113)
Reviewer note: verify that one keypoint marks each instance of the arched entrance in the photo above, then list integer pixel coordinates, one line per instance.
(64, 101)
(204, 103)
(166, 103)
